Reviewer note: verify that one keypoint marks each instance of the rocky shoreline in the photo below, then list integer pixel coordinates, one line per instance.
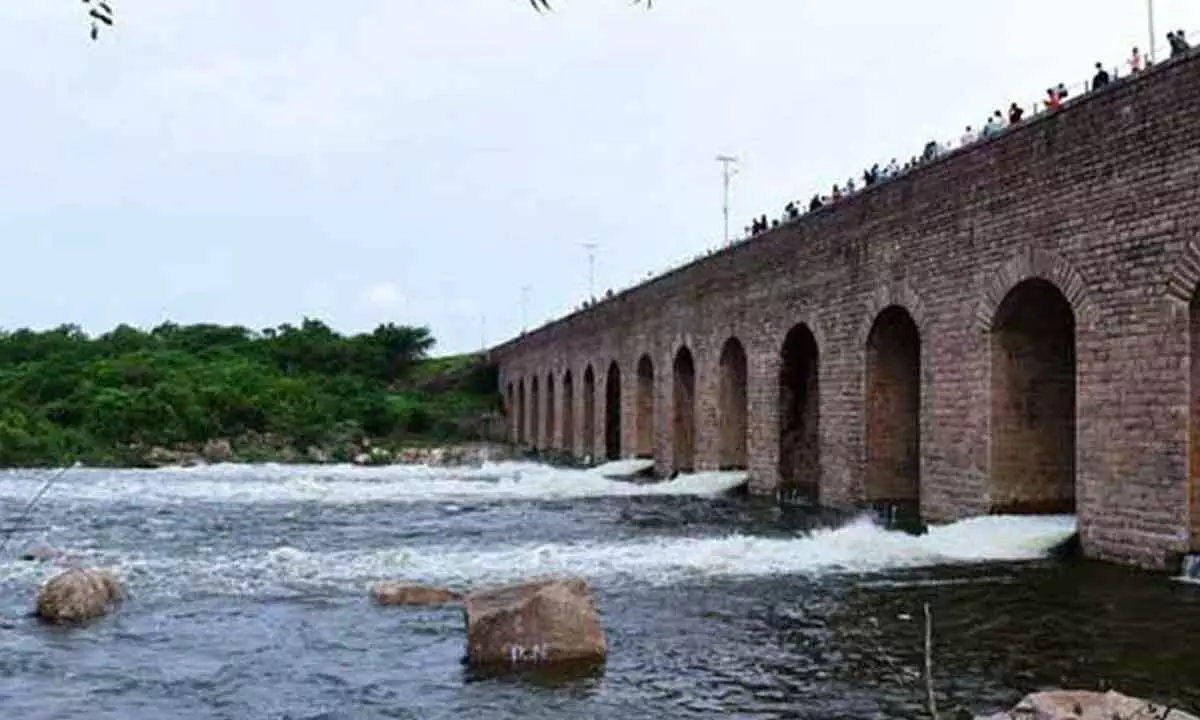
(264, 449)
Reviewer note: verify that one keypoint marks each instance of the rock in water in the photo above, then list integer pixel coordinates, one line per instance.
(538, 622)
(401, 594)
(1086, 705)
(41, 553)
(78, 595)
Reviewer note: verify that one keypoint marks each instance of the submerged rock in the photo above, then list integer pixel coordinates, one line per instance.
(401, 594)
(42, 553)
(78, 595)
(1087, 705)
(539, 622)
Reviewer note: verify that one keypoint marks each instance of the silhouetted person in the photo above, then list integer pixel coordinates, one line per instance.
(1179, 45)
(1101, 78)
(815, 203)
(1015, 113)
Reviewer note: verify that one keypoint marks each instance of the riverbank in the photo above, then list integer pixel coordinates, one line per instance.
(209, 393)
(366, 452)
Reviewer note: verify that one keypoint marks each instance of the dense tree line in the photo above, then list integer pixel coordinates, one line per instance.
(65, 395)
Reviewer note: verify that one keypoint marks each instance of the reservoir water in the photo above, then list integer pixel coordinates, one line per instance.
(249, 599)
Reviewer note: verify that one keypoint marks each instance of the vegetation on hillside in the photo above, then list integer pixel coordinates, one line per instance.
(113, 398)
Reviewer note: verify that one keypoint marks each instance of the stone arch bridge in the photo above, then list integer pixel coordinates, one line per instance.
(1010, 329)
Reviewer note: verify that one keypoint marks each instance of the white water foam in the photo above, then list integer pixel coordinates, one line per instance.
(622, 468)
(348, 484)
(858, 547)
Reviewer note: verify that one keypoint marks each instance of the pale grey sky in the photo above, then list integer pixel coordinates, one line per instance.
(419, 162)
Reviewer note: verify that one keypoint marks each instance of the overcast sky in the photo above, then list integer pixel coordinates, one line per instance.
(420, 162)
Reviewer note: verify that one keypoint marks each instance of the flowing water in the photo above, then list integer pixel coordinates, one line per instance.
(248, 600)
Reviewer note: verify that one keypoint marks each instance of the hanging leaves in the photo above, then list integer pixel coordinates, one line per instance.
(544, 5)
(101, 14)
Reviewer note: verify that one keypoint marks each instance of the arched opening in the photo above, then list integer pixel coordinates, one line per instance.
(684, 371)
(733, 405)
(589, 414)
(568, 413)
(1033, 401)
(800, 416)
(510, 409)
(645, 407)
(612, 413)
(535, 414)
(893, 412)
(521, 412)
(551, 440)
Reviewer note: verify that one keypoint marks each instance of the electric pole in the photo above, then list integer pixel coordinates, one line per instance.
(591, 251)
(1150, 21)
(727, 161)
(525, 307)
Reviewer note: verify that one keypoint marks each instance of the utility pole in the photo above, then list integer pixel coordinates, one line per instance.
(1150, 21)
(525, 307)
(483, 334)
(591, 251)
(726, 172)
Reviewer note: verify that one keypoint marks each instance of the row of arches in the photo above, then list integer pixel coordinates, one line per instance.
(528, 427)
(1032, 419)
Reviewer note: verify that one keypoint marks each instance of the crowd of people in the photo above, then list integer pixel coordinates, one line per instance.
(995, 124)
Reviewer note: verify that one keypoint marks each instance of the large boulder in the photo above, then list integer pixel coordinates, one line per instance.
(401, 594)
(78, 595)
(551, 621)
(1088, 705)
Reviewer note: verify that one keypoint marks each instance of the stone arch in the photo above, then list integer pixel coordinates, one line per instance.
(885, 296)
(612, 412)
(645, 408)
(551, 434)
(521, 404)
(733, 405)
(1183, 286)
(683, 372)
(589, 413)
(1033, 403)
(800, 414)
(535, 413)
(568, 412)
(893, 408)
(1032, 263)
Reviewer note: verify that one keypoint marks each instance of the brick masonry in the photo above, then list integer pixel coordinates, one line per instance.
(1049, 274)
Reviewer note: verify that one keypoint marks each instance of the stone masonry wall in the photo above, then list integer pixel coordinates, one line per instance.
(1100, 200)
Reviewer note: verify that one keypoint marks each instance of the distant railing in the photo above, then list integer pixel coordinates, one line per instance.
(1117, 73)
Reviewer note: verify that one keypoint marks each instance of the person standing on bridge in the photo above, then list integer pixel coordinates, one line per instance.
(1136, 64)
(1101, 78)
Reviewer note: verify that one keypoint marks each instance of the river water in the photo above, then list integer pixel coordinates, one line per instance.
(249, 600)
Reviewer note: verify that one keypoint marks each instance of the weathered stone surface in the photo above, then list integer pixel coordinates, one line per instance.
(1085, 705)
(550, 621)
(1096, 201)
(78, 595)
(402, 594)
